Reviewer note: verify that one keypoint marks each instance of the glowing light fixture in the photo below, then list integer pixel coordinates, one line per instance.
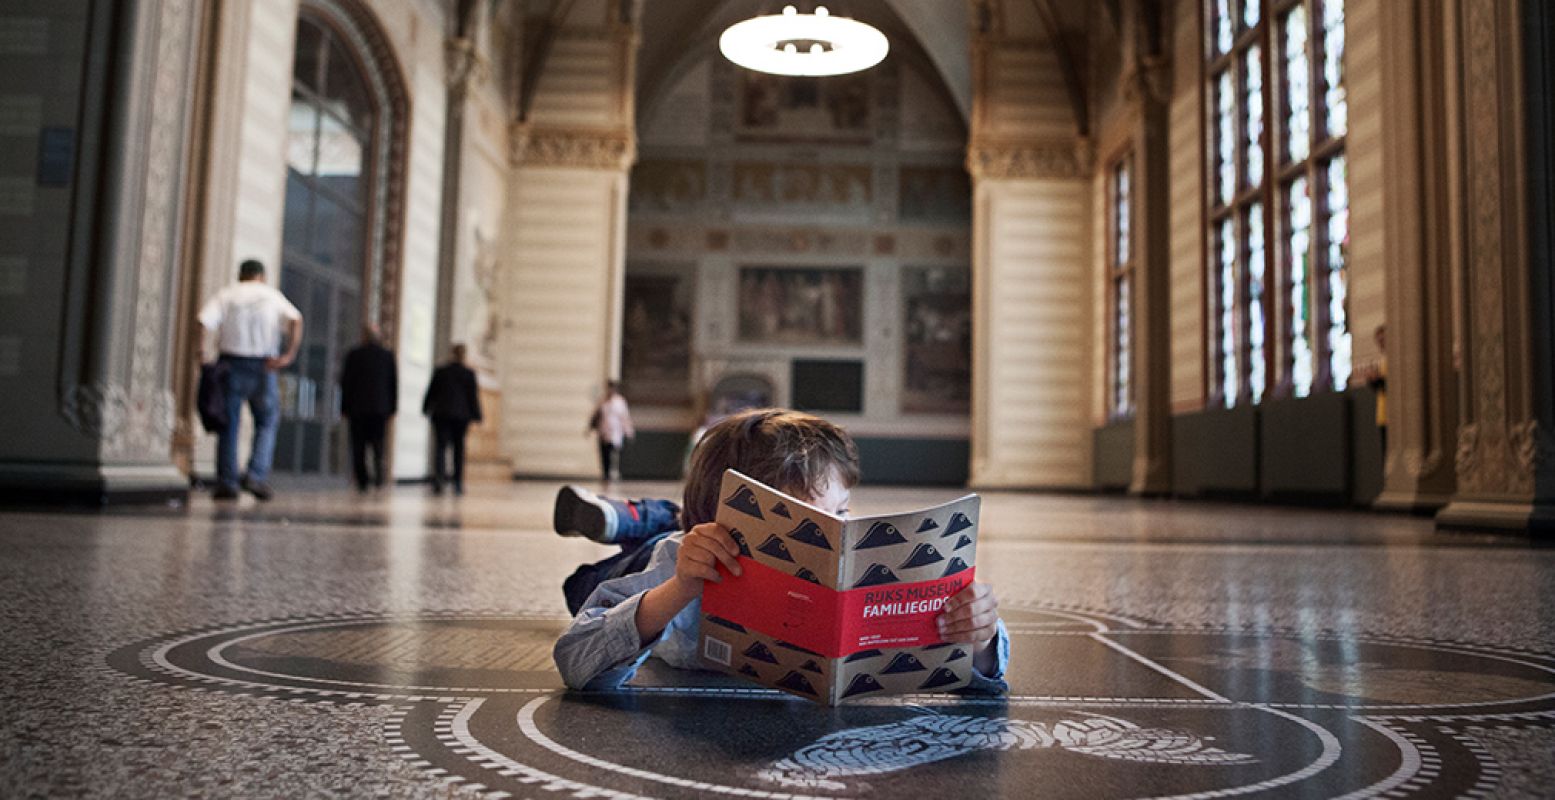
(792, 43)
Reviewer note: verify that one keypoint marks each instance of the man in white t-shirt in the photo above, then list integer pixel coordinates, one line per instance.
(248, 319)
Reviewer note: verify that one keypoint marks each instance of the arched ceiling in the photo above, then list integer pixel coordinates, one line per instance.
(675, 33)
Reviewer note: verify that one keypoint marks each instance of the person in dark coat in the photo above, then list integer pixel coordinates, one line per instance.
(369, 396)
(453, 401)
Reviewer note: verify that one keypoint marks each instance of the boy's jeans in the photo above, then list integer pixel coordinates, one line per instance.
(248, 380)
(640, 524)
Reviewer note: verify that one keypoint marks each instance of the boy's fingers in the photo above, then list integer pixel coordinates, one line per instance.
(697, 570)
(976, 627)
(713, 532)
(730, 562)
(985, 605)
(972, 633)
(712, 552)
(969, 596)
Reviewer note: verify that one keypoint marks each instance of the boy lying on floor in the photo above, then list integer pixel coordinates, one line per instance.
(646, 600)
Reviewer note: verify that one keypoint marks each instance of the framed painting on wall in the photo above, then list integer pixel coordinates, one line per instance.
(937, 322)
(656, 345)
(802, 109)
(782, 305)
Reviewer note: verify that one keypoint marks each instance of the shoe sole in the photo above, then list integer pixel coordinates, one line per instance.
(574, 515)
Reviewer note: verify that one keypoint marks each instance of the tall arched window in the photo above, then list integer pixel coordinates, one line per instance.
(1278, 198)
(335, 237)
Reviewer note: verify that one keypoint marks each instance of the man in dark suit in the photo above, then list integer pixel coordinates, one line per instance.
(453, 401)
(369, 396)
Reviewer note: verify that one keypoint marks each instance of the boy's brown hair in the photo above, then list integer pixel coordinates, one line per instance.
(791, 451)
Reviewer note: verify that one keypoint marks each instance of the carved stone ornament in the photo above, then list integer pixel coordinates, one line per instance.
(995, 161)
(611, 150)
(1532, 446)
(139, 426)
(465, 64)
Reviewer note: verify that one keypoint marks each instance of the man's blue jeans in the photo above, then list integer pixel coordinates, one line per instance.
(248, 381)
(640, 524)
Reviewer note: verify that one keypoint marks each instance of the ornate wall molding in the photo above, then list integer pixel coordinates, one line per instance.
(1014, 161)
(150, 422)
(1491, 462)
(582, 149)
(124, 401)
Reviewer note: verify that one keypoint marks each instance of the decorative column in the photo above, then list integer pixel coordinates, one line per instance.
(1032, 298)
(1148, 86)
(88, 404)
(464, 65)
(1422, 392)
(1506, 473)
(563, 267)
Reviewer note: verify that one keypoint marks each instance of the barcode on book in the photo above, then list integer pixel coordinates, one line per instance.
(716, 650)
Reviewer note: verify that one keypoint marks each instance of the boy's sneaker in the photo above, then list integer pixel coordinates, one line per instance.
(580, 512)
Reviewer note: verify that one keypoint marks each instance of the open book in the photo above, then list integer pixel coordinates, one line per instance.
(830, 608)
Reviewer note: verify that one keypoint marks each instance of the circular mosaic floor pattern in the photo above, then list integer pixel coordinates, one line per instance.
(1101, 706)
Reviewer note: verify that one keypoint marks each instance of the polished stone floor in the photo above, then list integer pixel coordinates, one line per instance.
(399, 646)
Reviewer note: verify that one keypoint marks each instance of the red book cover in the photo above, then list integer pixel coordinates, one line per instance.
(831, 609)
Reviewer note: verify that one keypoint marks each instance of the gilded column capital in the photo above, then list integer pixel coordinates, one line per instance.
(1025, 160)
(578, 148)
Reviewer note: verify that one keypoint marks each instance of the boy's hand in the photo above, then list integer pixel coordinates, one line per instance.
(971, 615)
(701, 551)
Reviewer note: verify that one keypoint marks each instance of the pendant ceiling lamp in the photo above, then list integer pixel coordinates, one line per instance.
(814, 44)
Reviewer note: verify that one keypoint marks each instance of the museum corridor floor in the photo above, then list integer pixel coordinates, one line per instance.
(399, 646)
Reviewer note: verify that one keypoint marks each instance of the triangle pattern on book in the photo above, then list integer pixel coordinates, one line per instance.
(904, 662)
(795, 682)
(781, 510)
(878, 574)
(792, 646)
(922, 556)
(956, 565)
(862, 684)
(733, 626)
(881, 534)
(805, 574)
(744, 501)
(941, 677)
(956, 655)
(928, 524)
(962, 542)
(863, 654)
(811, 666)
(739, 539)
(759, 652)
(746, 669)
(774, 547)
(958, 523)
(811, 534)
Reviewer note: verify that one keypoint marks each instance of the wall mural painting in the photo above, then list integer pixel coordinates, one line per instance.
(668, 185)
(935, 194)
(937, 311)
(656, 347)
(801, 306)
(791, 109)
(816, 186)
